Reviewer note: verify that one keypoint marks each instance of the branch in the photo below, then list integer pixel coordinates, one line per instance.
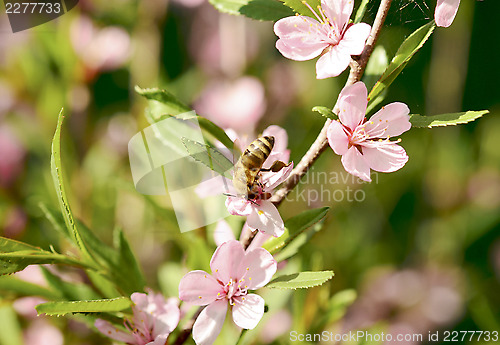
(321, 143)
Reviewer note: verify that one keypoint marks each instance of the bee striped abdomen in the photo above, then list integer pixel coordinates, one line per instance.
(249, 165)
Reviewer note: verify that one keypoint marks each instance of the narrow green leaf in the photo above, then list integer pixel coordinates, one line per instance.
(300, 280)
(325, 112)
(360, 13)
(10, 245)
(208, 156)
(256, 9)
(92, 306)
(129, 265)
(442, 120)
(208, 127)
(408, 48)
(169, 104)
(17, 261)
(299, 7)
(295, 227)
(376, 66)
(56, 170)
(68, 290)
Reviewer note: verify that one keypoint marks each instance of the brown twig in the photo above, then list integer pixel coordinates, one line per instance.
(321, 143)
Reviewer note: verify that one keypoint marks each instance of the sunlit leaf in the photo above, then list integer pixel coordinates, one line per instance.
(208, 156)
(299, 7)
(256, 9)
(92, 306)
(360, 13)
(295, 228)
(325, 112)
(300, 280)
(169, 104)
(408, 48)
(56, 171)
(442, 120)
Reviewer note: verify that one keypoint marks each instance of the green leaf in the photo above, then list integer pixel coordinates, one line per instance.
(408, 48)
(17, 261)
(295, 227)
(91, 306)
(360, 13)
(168, 103)
(300, 280)
(56, 170)
(208, 127)
(10, 245)
(69, 290)
(256, 9)
(130, 269)
(208, 156)
(325, 112)
(298, 7)
(442, 120)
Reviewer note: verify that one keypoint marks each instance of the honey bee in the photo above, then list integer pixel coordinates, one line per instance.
(246, 170)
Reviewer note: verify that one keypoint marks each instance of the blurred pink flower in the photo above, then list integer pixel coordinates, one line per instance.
(365, 145)
(234, 272)
(278, 324)
(331, 36)
(154, 319)
(100, 49)
(238, 104)
(25, 306)
(223, 233)
(12, 155)
(445, 12)
(41, 332)
(32, 274)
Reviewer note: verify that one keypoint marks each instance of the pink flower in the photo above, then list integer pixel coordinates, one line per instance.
(445, 13)
(303, 38)
(234, 273)
(238, 104)
(154, 319)
(365, 145)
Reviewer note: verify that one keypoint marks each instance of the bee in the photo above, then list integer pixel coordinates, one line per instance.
(246, 170)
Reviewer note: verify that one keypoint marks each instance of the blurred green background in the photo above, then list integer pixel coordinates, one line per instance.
(421, 246)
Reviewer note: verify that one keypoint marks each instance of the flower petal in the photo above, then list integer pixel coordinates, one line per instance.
(332, 63)
(266, 219)
(223, 233)
(199, 288)
(384, 156)
(166, 322)
(351, 105)
(271, 180)
(238, 206)
(445, 12)
(355, 164)
(337, 138)
(280, 137)
(390, 121)
(259, 267)
(259, 239)
(248, 311)
(215, 185)
(112, 332)
(354, 38)
(338, 11)
(209, 323)
(299, 38)
(226, 261)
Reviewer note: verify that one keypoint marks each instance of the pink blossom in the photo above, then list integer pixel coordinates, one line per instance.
(365, 145)
(100, 49)
(153, 320)
(331, 36)
(41, 332)
(238, 104)
(234, 273)
(445, 12)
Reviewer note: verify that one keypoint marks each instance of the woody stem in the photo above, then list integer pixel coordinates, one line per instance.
(321, 143)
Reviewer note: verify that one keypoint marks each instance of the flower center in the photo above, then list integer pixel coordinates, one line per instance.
(235, 288)
(326, 26)
(358, 136)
